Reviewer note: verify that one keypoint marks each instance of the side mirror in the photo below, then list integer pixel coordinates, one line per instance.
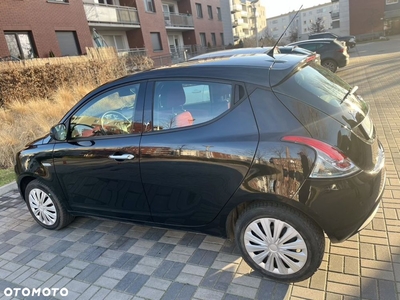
(58, 132)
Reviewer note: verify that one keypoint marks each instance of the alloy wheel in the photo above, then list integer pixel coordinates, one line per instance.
(275, 246)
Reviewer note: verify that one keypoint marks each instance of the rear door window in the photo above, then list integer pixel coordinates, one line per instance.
(182, 103)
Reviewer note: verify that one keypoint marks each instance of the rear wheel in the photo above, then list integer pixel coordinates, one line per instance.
(330, 65)
(45, 207)
(280, 242)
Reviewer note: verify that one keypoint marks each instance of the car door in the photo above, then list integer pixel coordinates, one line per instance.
(196, 149)
(98, 165)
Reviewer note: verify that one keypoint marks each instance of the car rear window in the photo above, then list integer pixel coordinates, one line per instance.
(325, 91)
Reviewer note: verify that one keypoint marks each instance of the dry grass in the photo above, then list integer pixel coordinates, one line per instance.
(24, 121)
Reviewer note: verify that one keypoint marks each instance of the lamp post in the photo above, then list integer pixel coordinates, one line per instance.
(255, 19)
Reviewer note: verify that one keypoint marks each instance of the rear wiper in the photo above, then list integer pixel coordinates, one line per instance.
(349, 93)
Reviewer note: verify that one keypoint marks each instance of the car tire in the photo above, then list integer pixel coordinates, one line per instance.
(330, 64)
(294, 259)
(45, 206)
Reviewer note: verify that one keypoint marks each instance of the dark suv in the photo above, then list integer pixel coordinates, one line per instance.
(273, 152)
(333, 54)
(349, 40)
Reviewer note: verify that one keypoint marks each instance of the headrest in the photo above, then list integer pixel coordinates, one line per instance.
(172, 95)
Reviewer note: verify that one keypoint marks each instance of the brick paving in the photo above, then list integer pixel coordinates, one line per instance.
(98, 259)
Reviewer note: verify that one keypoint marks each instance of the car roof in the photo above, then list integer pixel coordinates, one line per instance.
(231, 52)
(312, 41)
(259, 69)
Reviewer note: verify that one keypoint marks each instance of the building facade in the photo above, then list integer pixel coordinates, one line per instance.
(367, 17)
(41, 28)
(332, 17)
(166, 28)
(248, 19)
(392, 17)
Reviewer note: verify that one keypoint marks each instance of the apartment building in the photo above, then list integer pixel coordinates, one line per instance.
(366, 17)
(39, 28)
(248, 18)
(392, 17)
(159, 28)
(333, 16)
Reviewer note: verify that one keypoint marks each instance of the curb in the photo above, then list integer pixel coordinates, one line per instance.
(8, 188)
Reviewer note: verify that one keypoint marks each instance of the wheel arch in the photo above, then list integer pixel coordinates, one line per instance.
(235, 212)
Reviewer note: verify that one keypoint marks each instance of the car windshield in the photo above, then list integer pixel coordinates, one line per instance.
(322, 89)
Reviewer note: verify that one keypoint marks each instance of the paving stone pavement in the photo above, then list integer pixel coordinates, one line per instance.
(99, 259)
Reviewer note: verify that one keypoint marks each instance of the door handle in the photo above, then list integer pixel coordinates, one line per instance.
(122, 156)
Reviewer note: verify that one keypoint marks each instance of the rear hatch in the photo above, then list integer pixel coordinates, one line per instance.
(325, 93)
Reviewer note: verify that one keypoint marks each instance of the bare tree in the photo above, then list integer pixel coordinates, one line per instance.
(317, 26)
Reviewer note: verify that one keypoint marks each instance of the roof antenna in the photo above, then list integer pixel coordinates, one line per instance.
(272, 51)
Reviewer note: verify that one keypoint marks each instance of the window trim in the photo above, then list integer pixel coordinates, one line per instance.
(66, 2)
(146, 6)
(159, 40)
(199, 11)
(210, 12)
(149, 106)
(137, 112)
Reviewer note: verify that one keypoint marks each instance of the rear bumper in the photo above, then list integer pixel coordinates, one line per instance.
(348, 205)
(343, 61)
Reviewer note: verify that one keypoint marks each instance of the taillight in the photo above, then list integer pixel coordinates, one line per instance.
(330, 161)
(341, 50)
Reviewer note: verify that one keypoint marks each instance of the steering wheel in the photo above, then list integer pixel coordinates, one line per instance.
(113, 119)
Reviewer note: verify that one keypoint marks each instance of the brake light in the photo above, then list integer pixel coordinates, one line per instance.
(330, 161)
(341, 50)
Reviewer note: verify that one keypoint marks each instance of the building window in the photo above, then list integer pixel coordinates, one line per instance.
(203, 39)
(20, 44)
(68, 43)
(58, 1)
(210, 13)
(199, 10)
(222, 39)
(109, 2)
(213, 39)
(391, 1)
(219, 14)
(156, 41)
(149, 5)
(336, 24)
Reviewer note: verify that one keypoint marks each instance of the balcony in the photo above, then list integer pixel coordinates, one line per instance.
(111, 15)
(335, 15)
(178, 20)
(236, 8)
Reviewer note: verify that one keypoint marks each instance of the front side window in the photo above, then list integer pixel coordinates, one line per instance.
(199, 10)
(185, 103)
(149, 5)
(20, 44)
(111, 113)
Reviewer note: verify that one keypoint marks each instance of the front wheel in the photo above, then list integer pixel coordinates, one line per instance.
(330, 64)
(45, 207)
(279, 242)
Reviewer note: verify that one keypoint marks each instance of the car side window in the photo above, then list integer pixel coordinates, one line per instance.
(311, 47)
(186, 103)
(110, 113)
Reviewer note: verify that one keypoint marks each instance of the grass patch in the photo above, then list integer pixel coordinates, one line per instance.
(6, 176)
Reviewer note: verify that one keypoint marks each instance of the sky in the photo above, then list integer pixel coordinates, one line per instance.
(279, 7)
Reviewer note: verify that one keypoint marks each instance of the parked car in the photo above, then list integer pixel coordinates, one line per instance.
(274, 152)
(350, 40)
(254, 50)
(333, 54)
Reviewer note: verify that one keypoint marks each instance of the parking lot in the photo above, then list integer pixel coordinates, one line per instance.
(98, 259)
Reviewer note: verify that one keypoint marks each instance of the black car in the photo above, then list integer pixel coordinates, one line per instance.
(349, 40)
(333, 54)
(256, 50)
(273, 152)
